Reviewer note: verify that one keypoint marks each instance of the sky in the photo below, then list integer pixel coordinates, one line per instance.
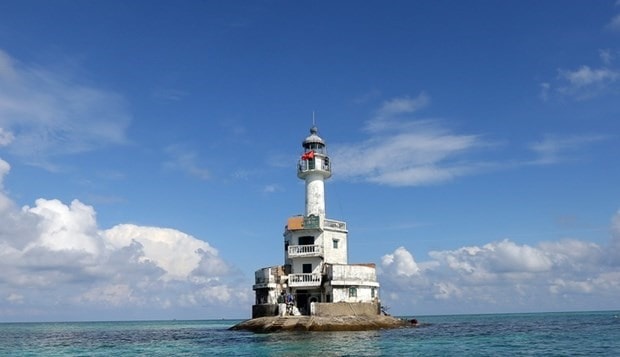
(148, 152)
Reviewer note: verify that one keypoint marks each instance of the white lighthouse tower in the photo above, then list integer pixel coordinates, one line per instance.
(314, 169)
(316, 273)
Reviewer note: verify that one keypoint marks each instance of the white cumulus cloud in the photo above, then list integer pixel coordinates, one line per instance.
(54, 254)
(506, 276)
(400, 262)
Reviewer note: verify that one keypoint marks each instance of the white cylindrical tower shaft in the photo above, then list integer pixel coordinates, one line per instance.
(314, 168)
(315, 195)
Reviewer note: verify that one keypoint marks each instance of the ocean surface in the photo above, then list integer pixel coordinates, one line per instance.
(540, 334)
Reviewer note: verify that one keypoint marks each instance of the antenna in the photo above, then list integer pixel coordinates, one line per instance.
(313, 123)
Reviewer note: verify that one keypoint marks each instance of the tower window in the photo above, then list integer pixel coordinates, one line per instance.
(311, 164)
(335, 243)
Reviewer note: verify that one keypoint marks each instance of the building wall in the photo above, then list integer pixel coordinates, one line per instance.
(352, 273)
(298, 263)
(344, 309)
(362, 293)
(263, 310)
(352, 283)
(335, 255)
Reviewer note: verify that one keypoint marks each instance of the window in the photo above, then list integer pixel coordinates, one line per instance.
(306, 240)
(372, 293)
(306, 268)
(352, 292)
(335, 241)
(311, 164)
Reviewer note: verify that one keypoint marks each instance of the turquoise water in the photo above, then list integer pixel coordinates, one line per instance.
(549, 334)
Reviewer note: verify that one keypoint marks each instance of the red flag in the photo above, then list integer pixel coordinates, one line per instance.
(307, 156)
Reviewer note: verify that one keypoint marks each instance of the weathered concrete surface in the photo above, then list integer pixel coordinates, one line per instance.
(332, 309)
(317, 323)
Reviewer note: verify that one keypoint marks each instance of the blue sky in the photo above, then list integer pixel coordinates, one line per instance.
(148, 152)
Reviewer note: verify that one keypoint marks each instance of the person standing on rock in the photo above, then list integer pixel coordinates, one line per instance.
(290, 301)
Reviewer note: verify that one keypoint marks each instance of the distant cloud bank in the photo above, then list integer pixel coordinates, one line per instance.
(504, 276)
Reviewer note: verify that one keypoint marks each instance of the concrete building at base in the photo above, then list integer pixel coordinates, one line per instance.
(316, 274)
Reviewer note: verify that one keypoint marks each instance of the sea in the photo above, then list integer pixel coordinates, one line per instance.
(532, 334)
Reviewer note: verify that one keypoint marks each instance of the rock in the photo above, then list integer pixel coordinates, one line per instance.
(316, 323)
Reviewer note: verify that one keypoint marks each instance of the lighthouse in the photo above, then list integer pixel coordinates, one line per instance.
(314, 169)
(316, 278)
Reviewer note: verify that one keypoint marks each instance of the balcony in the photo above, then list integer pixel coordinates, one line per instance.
(297, 251)
(267, 277)
(351, 274)
(304, 280)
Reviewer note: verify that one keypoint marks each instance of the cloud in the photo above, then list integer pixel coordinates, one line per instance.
(406, 159)
(185, 160)
(272, 188)
(54, 254)
(606, 56)
(544, 91)
(404, 151)
(554, 275)
(6, 137)
(586, 76)
(44, 114)
(388, 114)
(587, 82)
(400, 263)
(614, 24)
(170, 94)
(613, 254)
(553, 148)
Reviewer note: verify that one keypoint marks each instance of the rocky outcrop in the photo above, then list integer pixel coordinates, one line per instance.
(317, 323)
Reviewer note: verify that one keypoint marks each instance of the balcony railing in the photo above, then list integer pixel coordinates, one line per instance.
(299, 280)
(338, 225)
(295, 251)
